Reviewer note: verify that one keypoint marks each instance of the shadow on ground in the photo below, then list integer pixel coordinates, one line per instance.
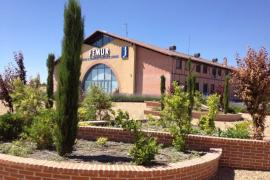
(225, 174)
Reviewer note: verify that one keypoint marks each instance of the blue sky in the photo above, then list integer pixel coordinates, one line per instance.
(216, 28)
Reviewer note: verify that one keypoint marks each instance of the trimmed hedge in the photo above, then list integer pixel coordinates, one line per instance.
(133, 98)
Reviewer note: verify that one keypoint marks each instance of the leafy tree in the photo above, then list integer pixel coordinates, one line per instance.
(226, 95)
(191, 79)
(6, 80)
(162, 89)
(175, 115)
(28, 99)
(50, 66)
(96, 105)
(251, 83)
(69, 74)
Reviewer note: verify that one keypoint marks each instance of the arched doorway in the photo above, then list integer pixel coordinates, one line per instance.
(102, 76)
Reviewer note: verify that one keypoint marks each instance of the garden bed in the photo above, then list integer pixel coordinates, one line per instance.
(110, 153)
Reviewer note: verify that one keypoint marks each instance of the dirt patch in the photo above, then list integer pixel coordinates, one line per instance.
(111, 153)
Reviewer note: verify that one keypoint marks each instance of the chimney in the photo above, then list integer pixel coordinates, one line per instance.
(215, 60)
(225, 61)
(197, 55)
(172, 48)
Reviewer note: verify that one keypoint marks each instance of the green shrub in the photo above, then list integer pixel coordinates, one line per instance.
(133, 98)
(145, 148)
(102, 141)
(18, 148)
(11, 126)
(234, 109)
(96, 105)
(207, 123)
(41, 130)
(175, 116)
(240, 130)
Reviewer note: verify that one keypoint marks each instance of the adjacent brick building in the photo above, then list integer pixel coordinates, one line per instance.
(119, 64)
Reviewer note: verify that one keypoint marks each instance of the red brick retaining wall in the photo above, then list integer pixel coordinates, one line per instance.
(236, 153)
(13, 168)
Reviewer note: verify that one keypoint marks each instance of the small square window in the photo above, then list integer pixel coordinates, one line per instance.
(198, 68)
(178, 64)
(205, 69)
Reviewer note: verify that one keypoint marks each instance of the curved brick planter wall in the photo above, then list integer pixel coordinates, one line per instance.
(236, 153)
(197, 115)
(12, 167)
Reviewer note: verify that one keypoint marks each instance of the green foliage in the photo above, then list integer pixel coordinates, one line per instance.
(145, 148)
(18, 148)
(240, 130)
(68, 79)
(11, 126)
(28, 99)
(198, 100)
(132, 98)
(175, 115)
(102, 141)
(162, 90)
(41, 129)
(207, 123)
(96, 105)
(50, 66)
(226, 95)
(234, 109)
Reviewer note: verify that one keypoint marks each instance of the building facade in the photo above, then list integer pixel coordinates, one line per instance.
(122, 65)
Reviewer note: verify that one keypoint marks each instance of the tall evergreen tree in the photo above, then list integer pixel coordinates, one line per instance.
(50, 66)
(191, 79)
(21, 68)
(162, 90)
(69, 74)
(226, 95)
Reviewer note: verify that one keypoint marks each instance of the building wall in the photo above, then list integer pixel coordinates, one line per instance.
(150, 65)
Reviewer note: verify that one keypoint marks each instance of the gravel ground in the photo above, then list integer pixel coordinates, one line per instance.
(110, 153)
(237, 174)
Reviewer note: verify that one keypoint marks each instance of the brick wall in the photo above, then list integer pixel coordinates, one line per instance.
(236, 153)
(16, 168)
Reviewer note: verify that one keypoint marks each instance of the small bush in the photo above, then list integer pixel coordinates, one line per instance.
(133, 98)
(96, 105)
(234, 109)
(240, 130)
(18, 148)
(41, 130)
(102, 141)
(145, 148)
(11, 126)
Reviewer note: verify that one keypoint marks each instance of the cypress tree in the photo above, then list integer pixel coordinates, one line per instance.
(226, 94)
(69, 74)
(50, 66)
(162, 90)
(191, 79)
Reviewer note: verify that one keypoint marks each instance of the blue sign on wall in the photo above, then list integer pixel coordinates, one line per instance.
(124, 52)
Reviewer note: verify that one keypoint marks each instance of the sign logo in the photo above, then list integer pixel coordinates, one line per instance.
(124, 52)
(99, 53)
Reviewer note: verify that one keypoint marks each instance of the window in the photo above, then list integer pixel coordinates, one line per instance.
(205, 89)
(178, 64)
(102, 76)
(226, 72)
(214, 71)
(212, 88)
(219, 71)
(102, 40)
(198, 68)
(205, 69)
(197, 86)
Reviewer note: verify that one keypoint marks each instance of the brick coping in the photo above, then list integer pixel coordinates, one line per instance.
(212, 155)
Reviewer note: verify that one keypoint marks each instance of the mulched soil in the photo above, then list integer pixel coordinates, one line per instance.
(112, 153)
